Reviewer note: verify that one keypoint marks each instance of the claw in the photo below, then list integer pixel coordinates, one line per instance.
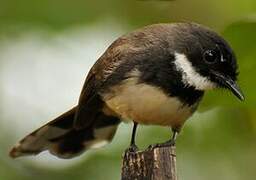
(165, 144)
(132, 148)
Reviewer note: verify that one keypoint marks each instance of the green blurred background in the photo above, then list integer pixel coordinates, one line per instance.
(46, 49)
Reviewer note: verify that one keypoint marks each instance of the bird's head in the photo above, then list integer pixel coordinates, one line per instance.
(205, 59)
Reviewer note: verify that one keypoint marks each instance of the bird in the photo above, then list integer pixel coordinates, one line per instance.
(155, 75)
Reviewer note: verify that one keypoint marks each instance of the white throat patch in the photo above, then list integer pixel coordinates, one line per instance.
(189, 75)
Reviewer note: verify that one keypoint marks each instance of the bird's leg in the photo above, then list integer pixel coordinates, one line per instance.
(172, 141)
(133, 146)
(168, 143)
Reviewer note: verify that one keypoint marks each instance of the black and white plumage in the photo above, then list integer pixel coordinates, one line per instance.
(156, 75)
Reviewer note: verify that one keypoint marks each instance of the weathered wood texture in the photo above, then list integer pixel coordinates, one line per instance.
(152, 164)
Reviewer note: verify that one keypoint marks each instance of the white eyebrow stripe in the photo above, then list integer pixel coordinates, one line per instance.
(190, 76)
(222, 58)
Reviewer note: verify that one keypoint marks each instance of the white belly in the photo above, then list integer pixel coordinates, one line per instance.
(146, 104)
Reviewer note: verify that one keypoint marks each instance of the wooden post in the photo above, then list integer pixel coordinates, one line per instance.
(157, 163)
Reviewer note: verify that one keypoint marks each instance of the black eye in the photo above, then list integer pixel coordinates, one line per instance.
(210, 56)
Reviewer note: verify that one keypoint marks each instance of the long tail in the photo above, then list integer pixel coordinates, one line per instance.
(62, 140)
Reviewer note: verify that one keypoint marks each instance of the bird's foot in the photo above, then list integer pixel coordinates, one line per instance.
(132, 148)
(168, 143)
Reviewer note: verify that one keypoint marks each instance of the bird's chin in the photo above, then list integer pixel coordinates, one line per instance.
(228, 83)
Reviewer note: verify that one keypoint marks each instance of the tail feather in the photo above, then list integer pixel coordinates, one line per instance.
(60, 138)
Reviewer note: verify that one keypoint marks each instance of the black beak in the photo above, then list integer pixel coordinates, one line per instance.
(231, 85)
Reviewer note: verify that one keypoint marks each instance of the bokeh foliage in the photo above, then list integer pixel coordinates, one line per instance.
(216, 143)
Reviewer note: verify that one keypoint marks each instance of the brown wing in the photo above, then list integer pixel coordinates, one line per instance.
(90, 102)
(136, 45)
